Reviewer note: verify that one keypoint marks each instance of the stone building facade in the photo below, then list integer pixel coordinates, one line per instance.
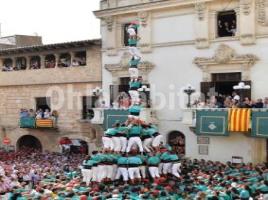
(41, 71)
(190, 41)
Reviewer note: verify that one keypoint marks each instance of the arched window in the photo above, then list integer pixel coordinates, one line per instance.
(80, 59)
(35, 62)
(7, 64)
(50, 61)
(176, 140)
(65, 60)
(21, 63)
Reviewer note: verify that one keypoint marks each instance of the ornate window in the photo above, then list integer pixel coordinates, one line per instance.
(226, 23)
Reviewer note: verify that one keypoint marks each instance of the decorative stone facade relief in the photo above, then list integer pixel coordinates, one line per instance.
(246, 6)
(200, 10)
(226, 58)
(109, 21)
(121, 69)
(262, 5)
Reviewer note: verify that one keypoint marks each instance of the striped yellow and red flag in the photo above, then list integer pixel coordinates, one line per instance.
(44, 123)
(239, 119)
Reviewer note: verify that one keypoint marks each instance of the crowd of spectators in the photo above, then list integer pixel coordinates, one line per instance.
(39, 114)
(233, 101)
(30, 174)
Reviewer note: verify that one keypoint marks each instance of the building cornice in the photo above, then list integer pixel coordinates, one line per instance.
(146, 7)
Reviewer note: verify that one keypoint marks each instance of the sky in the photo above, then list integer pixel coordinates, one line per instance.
(55, 20)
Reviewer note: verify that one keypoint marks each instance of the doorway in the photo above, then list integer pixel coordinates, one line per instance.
(29, 141)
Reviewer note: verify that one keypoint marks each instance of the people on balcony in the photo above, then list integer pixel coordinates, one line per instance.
(7, 68)
(35, 64)
(222, 101)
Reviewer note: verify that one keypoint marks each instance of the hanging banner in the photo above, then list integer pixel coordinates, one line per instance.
(212, 122)
(112, 116)
(239, 119)
(259, 123)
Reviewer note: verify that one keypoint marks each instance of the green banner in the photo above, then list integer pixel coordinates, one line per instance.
(27, 122)
(259, 123)
(212, 122)
(113, 115)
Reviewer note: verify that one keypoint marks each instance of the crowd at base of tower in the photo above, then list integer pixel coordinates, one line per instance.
(29, 174)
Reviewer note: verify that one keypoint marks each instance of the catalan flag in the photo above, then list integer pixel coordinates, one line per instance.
(44, 123)
(239, 119)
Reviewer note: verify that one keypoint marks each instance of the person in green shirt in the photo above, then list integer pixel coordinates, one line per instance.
(133, 67)
(134, 137)
(153, 165)
(147, 137)
(123, 132)
(122, 170)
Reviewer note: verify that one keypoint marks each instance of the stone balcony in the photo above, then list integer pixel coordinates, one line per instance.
(147, 115)
(107, 4)
(48, 76)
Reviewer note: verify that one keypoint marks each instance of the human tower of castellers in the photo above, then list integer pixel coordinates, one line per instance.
(132, 150)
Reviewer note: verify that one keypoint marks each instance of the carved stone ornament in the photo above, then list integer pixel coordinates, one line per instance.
(261, 13)
(109, 23)
(226, 55)
(143, 16)
(200, 10)
(122, 67)
(224, 60)
(246, 6)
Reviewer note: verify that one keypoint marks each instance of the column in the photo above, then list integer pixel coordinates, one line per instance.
(28, 59)
(201, 25)
(13, 62)
(42, 61)
(247, 22)
(57, 59)
(72, 54)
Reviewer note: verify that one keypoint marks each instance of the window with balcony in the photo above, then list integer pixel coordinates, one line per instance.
(125, 34)
(88, 103)
(20, 63)
(50, 61)
(42, 103)
(35, 62)
(80, 59)
(226, 23)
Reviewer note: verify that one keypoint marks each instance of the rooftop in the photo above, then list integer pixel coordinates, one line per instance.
(55, 46)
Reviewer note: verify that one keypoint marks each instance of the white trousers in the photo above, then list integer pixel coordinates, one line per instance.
(123, 143)
(134, 95)
(95, 174)
(157, 140)
(122, 171)
(132, 141)
(117, 144)
(107, 143)
(114, 171)
(88, 175)
(110, 171)
(167, 168)
(133, 72)
(176, 169)
(147, 143)
(83, 175)
(143, 171)
(134, 51)
(154, 172)
(102, 172)
(134, 172)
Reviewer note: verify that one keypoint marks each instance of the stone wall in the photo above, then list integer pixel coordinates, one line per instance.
(70, 113)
